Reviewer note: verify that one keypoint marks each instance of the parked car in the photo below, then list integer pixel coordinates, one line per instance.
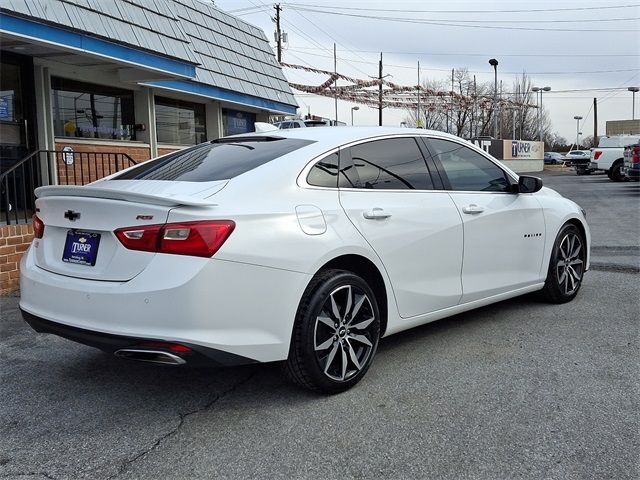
(579, 159)
(553, 158)
(287, 124)
(609, 155)
(304, 246)
(631, 168)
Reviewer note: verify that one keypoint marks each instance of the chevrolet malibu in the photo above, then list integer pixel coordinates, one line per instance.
(303, 246)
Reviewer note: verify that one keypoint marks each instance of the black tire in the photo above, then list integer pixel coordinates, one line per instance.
(340, 365)
(566, 266)
(580, 171)
(615, 172)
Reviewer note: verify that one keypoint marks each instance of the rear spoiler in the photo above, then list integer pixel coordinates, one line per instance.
(165, 199)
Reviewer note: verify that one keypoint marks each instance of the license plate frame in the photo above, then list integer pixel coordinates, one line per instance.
(81, 247)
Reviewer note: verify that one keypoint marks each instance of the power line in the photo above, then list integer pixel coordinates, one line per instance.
(449, 54)
(573, 9)
(476, 71)
(454, 24)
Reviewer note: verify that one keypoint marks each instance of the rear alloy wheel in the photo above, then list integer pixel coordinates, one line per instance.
(336, 333)
(615, 173)
(566, 268)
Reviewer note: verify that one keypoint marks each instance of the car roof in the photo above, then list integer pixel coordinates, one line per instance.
(342, 135)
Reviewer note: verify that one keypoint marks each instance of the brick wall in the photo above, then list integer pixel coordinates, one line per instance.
(92, 162)
(14, 241)
(165, 151)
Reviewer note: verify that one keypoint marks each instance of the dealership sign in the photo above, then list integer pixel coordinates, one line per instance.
(511, 149)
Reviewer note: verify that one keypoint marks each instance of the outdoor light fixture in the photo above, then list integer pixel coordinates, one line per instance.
(540, 89)
(352, 110)
(577, 118)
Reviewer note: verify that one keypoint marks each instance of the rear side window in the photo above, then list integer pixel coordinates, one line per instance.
(219, 160)
(390, 164)
(466, 169)
(325, 172)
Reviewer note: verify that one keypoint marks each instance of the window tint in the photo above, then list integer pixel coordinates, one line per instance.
(468, 170)
(218, 160)
(395, 163)
(325, 172)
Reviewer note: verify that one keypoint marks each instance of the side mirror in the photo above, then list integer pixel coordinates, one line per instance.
(527, 184)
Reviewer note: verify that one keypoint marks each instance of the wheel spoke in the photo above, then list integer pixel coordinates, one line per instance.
(334, 308)
(349, 301)
(362, 325)
(361, 339)
(577, 261)
(330, 358)
(328, 322)
(571, 281)
(357, 306)
(562, 278)
(354, 357)
(574, 274)
(344, 363)
(576, 251)
(325, 345)
(562, 263)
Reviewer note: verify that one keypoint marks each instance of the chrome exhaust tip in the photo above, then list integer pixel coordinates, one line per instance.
(150, 356)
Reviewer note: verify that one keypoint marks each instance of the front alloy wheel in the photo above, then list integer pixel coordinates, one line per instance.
(566, 267)
(336, 333)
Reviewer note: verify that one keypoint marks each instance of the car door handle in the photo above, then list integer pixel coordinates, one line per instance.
(472, 209)
(376, 214)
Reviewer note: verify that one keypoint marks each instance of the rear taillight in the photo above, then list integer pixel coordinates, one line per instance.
(635, 155)
(38, 227)
(596, 154)
(199, 239)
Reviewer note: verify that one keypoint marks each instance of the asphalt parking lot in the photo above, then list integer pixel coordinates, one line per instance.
(519, 389)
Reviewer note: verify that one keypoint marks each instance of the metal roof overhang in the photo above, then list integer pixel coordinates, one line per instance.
(69, 42)
(217, 93)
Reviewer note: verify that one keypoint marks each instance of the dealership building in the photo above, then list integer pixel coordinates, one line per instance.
(134, 78)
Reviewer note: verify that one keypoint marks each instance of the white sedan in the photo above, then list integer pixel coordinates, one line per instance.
(304, 246)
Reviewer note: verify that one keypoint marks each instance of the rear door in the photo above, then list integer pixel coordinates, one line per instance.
(387, 192)
(503, 231)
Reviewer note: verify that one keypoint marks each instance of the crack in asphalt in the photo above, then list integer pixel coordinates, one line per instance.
(614, 267)
(183, 416)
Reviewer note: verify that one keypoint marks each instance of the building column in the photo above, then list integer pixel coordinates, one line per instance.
(145, 113)
(44, 120)
(213, 114)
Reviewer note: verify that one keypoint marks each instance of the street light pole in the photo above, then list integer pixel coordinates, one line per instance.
(540, 89)
(494, 63)
(633, 91)
(577, 118)
(352, 109)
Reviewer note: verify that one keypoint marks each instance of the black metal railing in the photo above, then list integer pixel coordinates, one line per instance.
(51, 167)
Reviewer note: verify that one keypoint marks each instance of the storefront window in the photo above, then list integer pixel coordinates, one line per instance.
(87, 110)
(180, 123)
(236, 121)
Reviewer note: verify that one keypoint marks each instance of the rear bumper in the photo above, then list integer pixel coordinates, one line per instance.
(236, 308)
(111, 343)
(631, 173)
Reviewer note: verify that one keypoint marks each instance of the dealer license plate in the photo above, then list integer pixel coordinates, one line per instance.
(81, 248)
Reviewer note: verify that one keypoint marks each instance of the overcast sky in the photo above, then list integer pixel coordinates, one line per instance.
(598, 48)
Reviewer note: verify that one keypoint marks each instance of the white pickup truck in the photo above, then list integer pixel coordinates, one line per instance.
(608, 156)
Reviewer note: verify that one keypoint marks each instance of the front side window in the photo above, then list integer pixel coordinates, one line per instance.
(389, 164)
(87, 110)
(180, 123)
(466, 169)
(218, 160)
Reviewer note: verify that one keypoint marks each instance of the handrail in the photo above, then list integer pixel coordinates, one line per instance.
(23, 161)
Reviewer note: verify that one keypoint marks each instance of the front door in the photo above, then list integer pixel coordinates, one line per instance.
(503, 231)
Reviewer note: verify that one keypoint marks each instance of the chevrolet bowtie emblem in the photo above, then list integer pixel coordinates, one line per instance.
(71, 215)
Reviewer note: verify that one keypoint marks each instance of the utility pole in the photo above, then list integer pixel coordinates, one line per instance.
(278, 32)
(380, 92)
(452, 87)
(335, 82)
(473, 110)
(595, 121)
(418, 121)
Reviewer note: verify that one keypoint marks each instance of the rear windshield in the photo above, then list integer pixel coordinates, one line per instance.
(218, 160)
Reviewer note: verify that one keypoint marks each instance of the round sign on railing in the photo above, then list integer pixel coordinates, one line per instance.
(67, 155)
